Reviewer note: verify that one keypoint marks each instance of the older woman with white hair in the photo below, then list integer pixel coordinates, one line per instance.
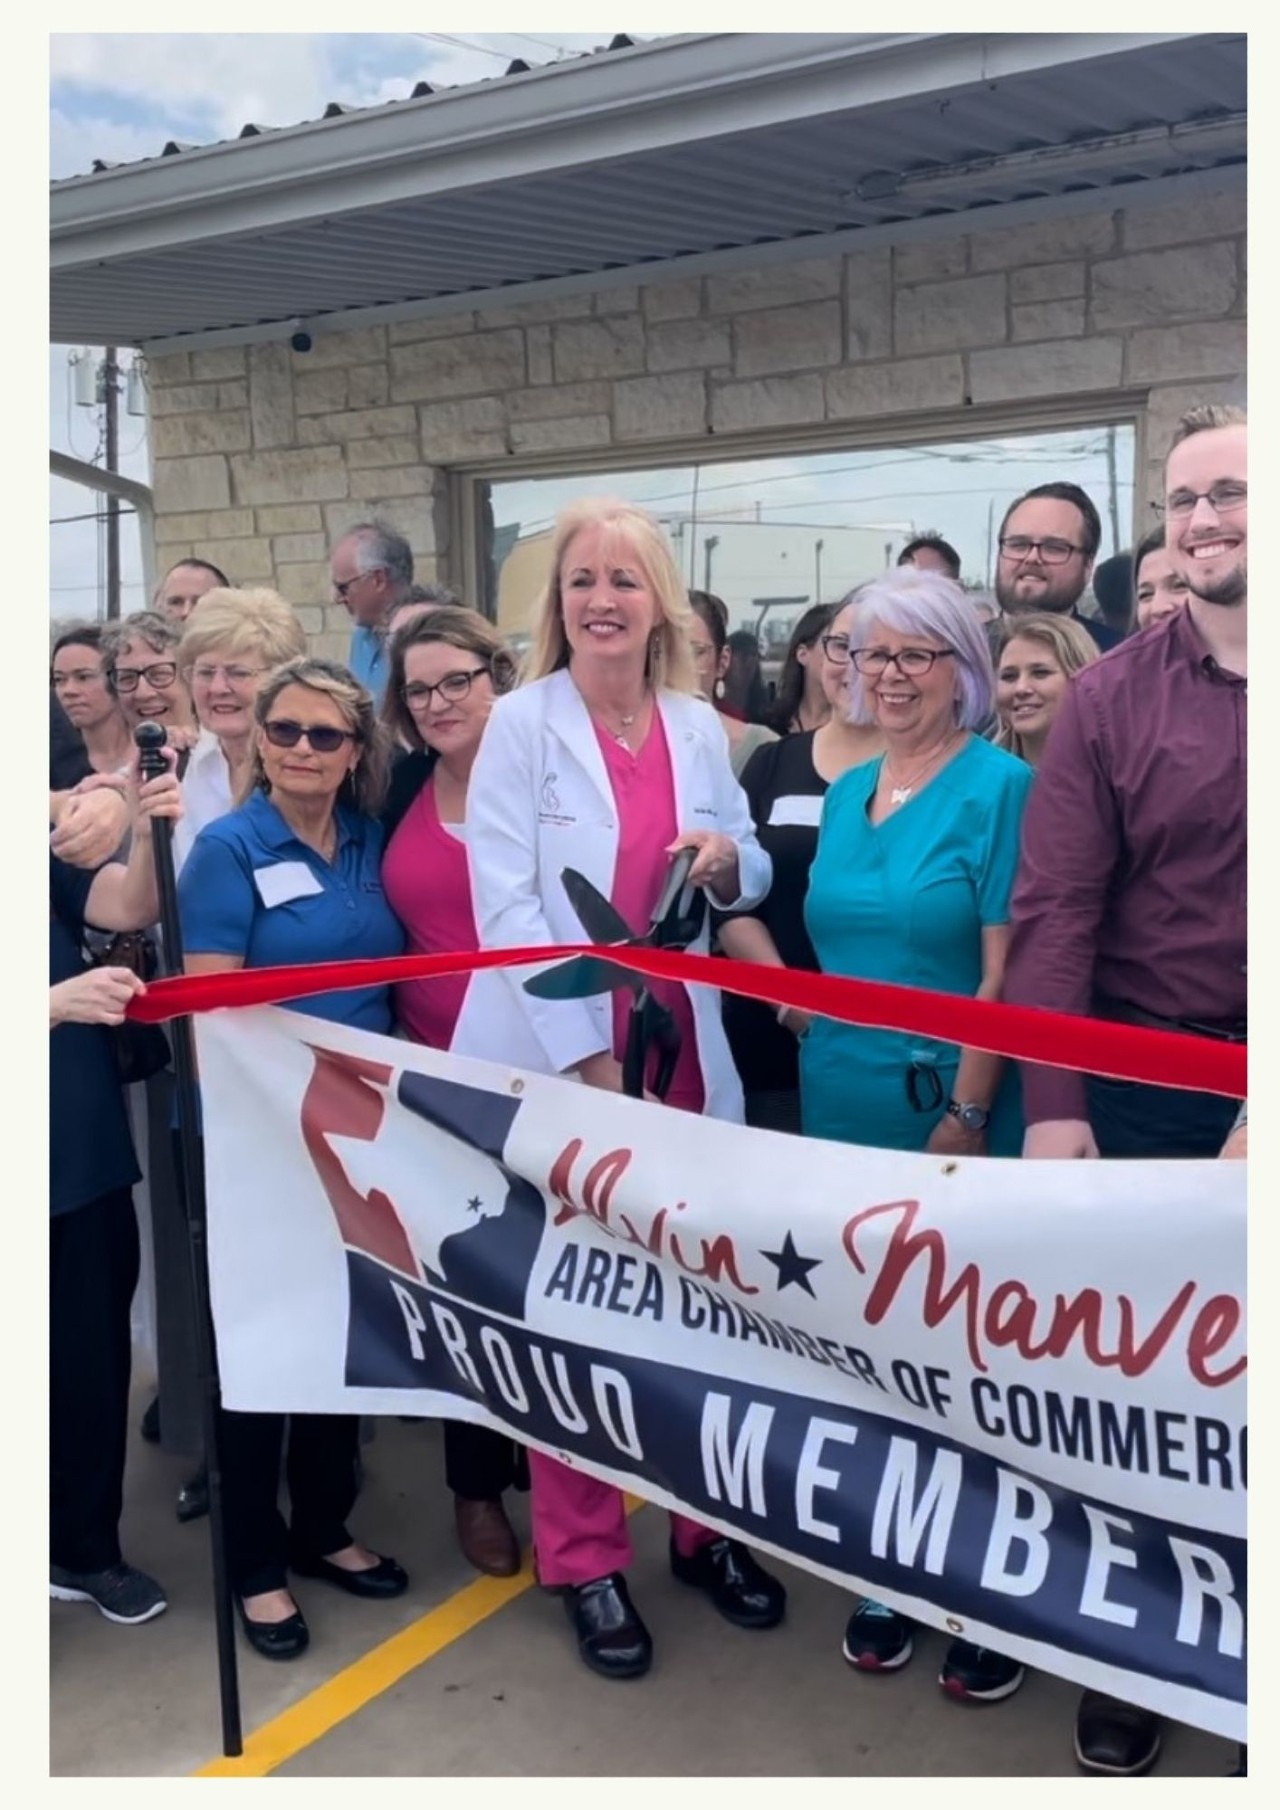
(231, 639)
(604, 761)
(910, 884)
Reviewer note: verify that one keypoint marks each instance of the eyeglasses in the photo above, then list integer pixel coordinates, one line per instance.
(911, 662)
(836, 648)
(1223, 499)
(322, 738)
(343, 585)
(159, 677)
(452, 688)
(84, 676)
(1051, 552)
(234, 675)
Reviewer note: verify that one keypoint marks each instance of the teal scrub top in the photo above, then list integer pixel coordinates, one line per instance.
(906, 901)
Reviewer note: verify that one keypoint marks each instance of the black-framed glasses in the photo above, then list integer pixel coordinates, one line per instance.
(911, 662)
(836, 648)
(343, 585)
(1050, 552)
(1223, 499)
(322, 738)
(924, 1087)
(159, 677)
(452, 688)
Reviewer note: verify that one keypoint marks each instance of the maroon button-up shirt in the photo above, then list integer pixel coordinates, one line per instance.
(1132, 877)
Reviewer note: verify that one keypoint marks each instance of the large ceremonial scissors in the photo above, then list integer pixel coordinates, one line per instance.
(675, 922)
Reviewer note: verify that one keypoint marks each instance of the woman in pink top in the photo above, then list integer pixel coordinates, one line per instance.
(445, 670)
(607, 763)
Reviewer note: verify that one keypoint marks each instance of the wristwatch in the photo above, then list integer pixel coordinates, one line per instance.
(973, 1118)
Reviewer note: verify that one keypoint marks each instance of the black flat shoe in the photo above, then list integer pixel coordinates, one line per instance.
(193, 1498)
(1116, 1739)
(384, 1579)
(276, 1639)
(741, 1589)
(612, 1639)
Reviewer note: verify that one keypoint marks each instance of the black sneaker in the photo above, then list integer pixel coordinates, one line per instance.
(877, 1638)
(977, 1675)
(120, 1593)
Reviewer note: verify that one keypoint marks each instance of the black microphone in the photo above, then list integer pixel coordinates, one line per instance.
(150, 740)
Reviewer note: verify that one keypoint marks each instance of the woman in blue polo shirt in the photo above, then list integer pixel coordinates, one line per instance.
(294, 876)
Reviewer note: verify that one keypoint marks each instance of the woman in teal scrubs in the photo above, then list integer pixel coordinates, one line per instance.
(911, 883)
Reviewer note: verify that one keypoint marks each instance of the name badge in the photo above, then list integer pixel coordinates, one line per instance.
(284, 882)
(796, 812)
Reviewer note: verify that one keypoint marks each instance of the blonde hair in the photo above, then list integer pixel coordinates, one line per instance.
(257, 623)
(1071, 645)
(364, 788)
(670, 665)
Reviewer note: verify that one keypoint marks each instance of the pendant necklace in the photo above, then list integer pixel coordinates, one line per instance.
(900, 794)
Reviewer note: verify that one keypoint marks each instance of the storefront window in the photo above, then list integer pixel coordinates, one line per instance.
(773, 535)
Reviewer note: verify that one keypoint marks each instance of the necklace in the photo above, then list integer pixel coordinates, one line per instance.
(899, 794)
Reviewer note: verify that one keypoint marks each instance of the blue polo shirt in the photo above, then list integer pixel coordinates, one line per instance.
(250, 887)
(367, 658)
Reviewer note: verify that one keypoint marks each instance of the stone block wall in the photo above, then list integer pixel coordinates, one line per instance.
(262, 456)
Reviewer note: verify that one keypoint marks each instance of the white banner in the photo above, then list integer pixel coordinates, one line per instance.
(1007, 1398)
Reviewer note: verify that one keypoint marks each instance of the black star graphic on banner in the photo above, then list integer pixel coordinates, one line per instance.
(473, 1205)
(792, 1267)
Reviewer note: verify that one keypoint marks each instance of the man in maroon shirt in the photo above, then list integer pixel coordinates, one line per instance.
(1130, 897)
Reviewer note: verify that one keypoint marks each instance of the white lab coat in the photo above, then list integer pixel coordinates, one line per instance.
(539, 801)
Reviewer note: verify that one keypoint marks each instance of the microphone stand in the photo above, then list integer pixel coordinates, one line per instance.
(150, 739)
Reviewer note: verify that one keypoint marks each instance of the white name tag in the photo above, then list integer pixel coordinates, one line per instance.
(284, 881)
(798, 812)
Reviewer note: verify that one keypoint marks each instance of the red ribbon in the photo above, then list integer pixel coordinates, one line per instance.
(1059, 1039)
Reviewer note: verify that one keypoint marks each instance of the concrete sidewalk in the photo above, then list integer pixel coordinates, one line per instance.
(509, 1697)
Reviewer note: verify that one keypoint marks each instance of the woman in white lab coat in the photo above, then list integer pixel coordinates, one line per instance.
(604, 761)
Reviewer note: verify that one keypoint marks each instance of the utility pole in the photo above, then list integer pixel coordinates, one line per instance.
(991, 523)
(111, 462)
(708, 548)
(818, 545)
(1112, 489)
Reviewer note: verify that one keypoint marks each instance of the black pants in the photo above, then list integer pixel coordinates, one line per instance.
(320, 1472)
(479, 1463)
(93, 1271)
(1129, 1118)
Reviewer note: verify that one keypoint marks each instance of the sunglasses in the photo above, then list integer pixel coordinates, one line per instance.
(322, 738)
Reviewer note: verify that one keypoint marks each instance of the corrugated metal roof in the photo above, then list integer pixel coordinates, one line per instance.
(174, 147)
(793, 180)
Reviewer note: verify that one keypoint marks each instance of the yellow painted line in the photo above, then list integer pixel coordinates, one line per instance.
(347, 1691)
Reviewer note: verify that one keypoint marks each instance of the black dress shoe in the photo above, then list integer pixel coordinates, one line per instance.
(742, 1590)
(612, 1639)
(276, 1639)
(193, 1497)
(1116, 1739)
(149, 1425)
(384, 1579)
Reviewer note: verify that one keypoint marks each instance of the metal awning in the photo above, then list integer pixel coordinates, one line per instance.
(640, 163)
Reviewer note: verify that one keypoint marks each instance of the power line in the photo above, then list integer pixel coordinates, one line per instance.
(94, 515)
(442, 37)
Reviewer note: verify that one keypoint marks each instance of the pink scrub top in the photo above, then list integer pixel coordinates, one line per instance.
(644, 793)
(425, 877)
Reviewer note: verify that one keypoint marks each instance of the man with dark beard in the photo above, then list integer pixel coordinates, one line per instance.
(1049, 540)
(1130, 897)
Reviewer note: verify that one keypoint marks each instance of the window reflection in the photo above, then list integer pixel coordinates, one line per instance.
(773, 535)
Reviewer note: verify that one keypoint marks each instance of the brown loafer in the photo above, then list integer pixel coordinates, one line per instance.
(486, 1537)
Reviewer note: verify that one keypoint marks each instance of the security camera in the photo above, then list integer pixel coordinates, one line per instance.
(300, 340)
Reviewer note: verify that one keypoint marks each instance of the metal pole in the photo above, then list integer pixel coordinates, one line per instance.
(1113, 498)
(150, 739)
(111, 460)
